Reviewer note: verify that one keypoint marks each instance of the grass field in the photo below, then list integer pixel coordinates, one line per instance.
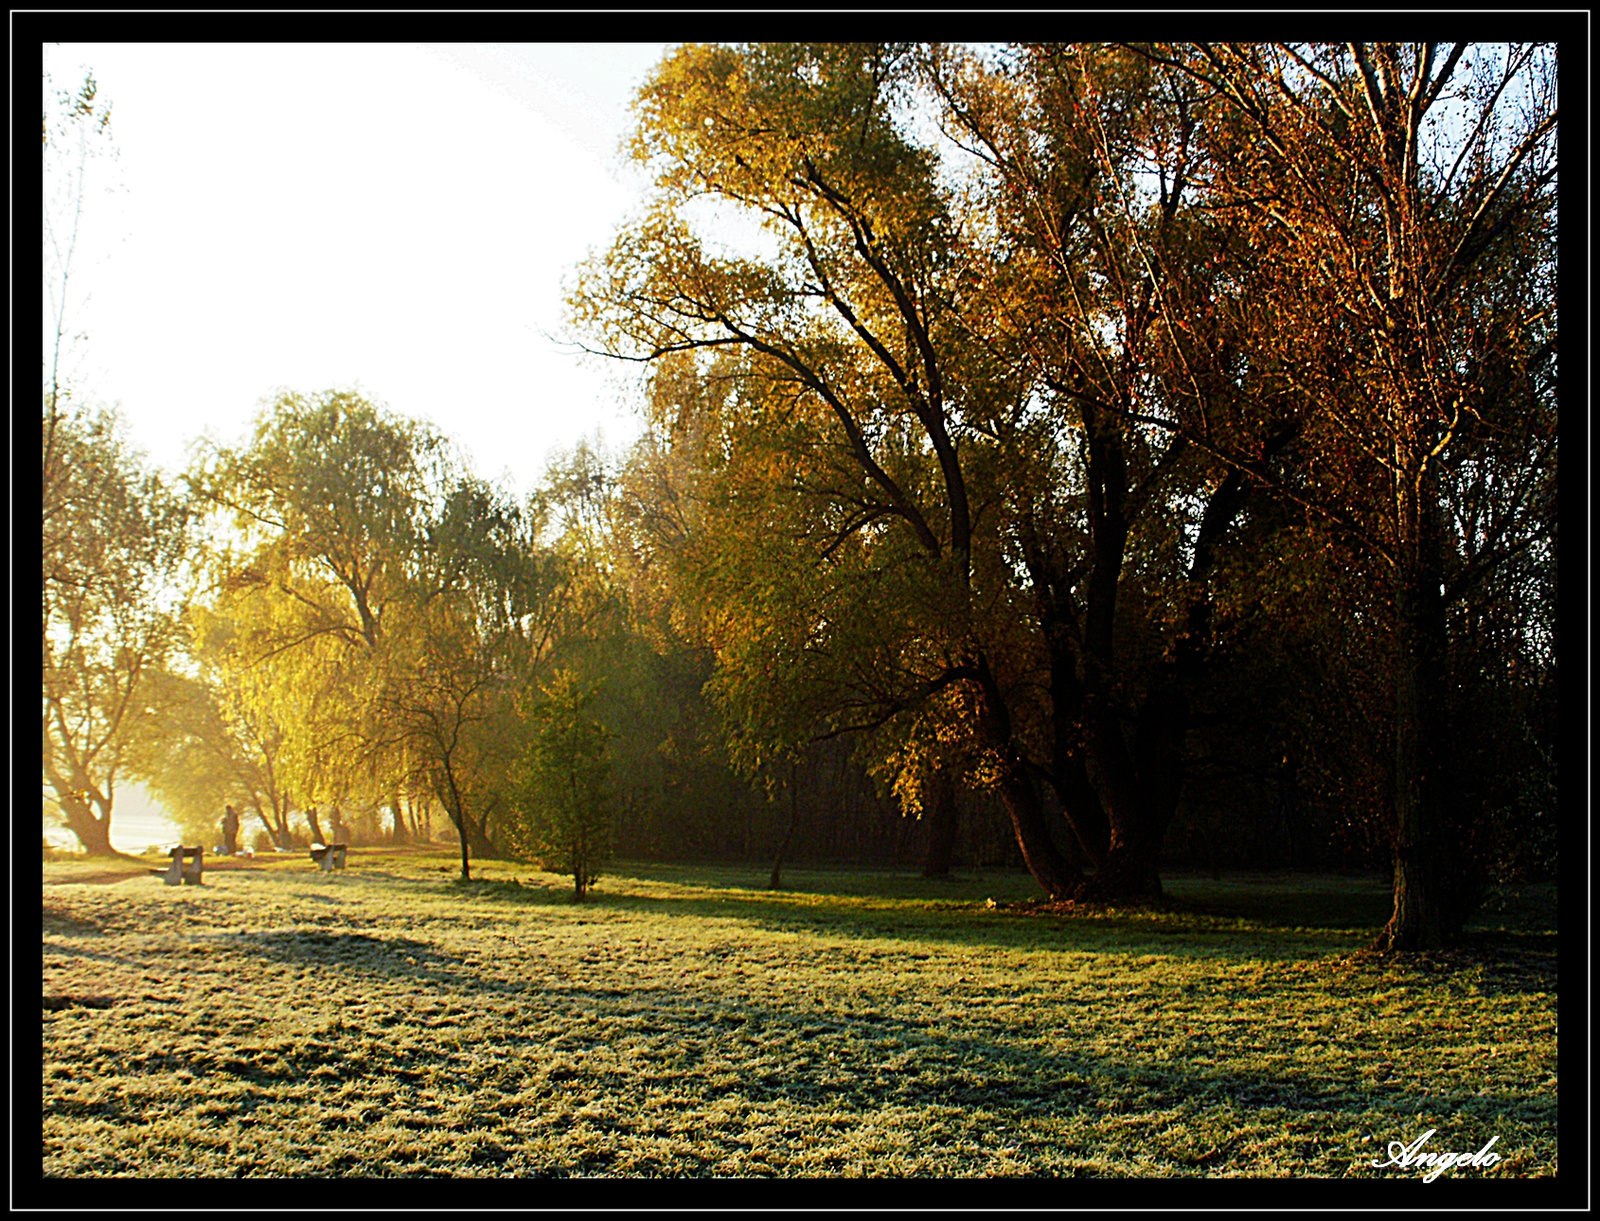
(391, 1021)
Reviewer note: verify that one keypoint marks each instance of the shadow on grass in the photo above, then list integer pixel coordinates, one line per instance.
(1356, 910)
(948, 923)
(1276, 920)
(1262, 920)
(62, 923)
(873, 1061)
(361, 952)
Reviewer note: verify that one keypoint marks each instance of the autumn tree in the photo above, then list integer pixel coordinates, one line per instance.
(396, 603)
(838, 339)
(324, 518)
(1130, 536)
(1403, 199)
(114, 553)
(912, 490)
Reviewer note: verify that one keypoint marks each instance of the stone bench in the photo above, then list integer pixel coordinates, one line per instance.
(185, 869)
(328, 856)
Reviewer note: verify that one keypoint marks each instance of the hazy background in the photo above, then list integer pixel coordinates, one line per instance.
(398, 219)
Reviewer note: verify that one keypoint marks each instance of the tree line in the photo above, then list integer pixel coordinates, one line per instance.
(1100, 435)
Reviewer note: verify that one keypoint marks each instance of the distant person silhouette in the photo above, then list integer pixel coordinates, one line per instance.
(230, 830)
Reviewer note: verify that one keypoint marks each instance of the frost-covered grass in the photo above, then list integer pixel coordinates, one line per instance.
(390, 1021)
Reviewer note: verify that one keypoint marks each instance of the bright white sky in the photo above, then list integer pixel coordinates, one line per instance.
(398, 219)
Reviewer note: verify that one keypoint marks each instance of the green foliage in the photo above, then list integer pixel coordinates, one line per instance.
(565, 783)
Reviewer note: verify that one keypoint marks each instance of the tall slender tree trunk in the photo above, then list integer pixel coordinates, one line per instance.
(944, 818)
(420, 816)
(457, 809)
(775, 882)
(1424, 857)
(398, 832)
(1146, 789)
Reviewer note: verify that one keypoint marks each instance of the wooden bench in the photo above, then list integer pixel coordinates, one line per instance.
(329, 856)
(185, 869)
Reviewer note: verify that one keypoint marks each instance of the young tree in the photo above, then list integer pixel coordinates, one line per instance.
(566, 784)
(77, 137)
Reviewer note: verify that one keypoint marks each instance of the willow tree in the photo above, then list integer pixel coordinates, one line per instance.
(217, 743)
(927, 497)
(489, 604)
(326, 511)
(114, 552)
(394, 603)
(845, 328)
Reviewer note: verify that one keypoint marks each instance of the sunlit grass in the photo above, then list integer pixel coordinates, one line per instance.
(686, 1021)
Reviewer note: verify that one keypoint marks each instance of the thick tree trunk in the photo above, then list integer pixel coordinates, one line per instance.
(316, 826)
(1058, 618)
(1129, 870)
(1049, 866)
(1130, 873)
(398, 833)
(93, 831)
(1080, 804)
(1148, 790)
(944, 818)
(1081, 807)
(1054, 872)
